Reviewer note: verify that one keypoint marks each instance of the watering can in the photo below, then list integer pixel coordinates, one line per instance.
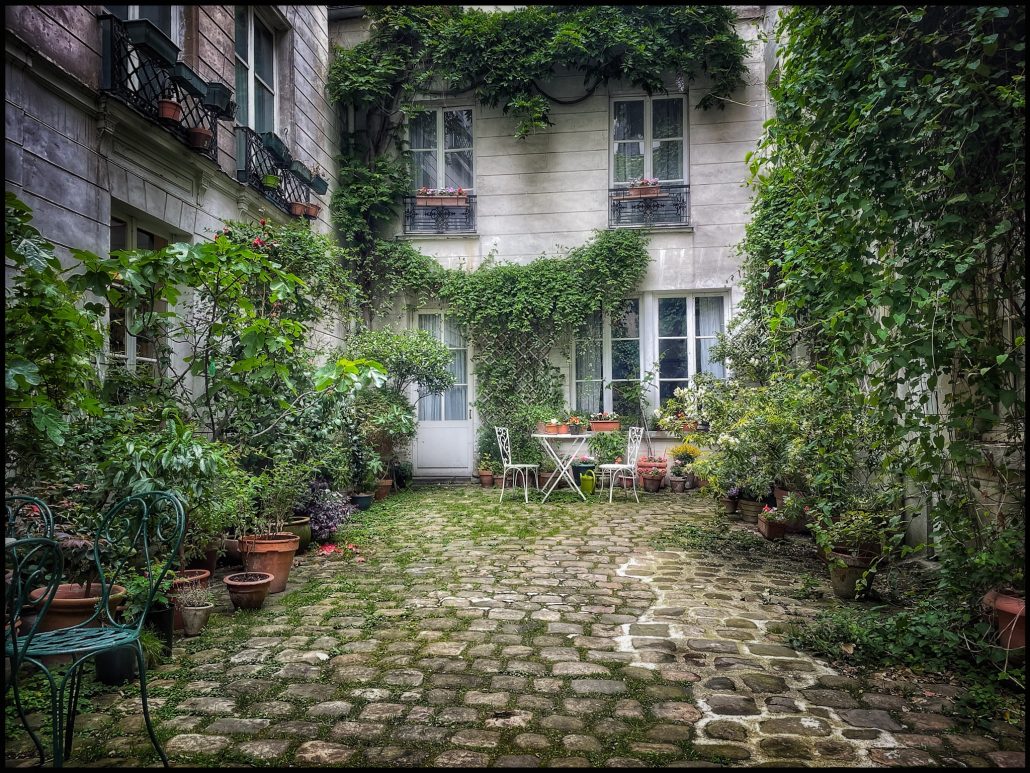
(587, 481)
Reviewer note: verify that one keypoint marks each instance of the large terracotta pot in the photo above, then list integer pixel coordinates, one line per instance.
(486, 478)
(185, 577)
(248, 590)
(71, 606)
(383, 487)
(642, 466)
(652, 484)
(1009, 618)
(749, 510)
(271, 553)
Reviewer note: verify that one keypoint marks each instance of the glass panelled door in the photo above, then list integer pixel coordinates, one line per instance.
(444, 442)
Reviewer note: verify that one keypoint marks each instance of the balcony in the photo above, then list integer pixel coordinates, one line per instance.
(665, 206)
(260, 157)
(440, 214)
(139, 68)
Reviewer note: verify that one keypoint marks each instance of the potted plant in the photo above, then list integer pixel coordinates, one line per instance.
(301, 171)
(577, 424)
(311, 210)
(772, 524)
(582, 464)
(605, 421)
(644, 187)
(219, 99)
(383, 483)
(731, 501)
(199, 137)
(283, 487)
(372, 468)
(652, 478)
(441, 197)
(168, 108)
(319, 184)
(160, 618)
(552, 427)
(274, 144)
(546, 471)
(647, 463)
(298, 208)
(270, 181)
(795, 512)
(854, 544)
(195, 604)
(486, 472)
(248, 590)
(1008, 611)
(677, 479)
(607, 447)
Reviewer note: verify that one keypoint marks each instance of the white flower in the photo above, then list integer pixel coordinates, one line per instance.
(657, 412)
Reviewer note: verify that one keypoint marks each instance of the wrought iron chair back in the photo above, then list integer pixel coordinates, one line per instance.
(134, 533)
(36, 568)
(504, 443)
(26, 516)
(633, 445)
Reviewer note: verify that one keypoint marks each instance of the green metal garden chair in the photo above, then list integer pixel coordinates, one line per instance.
(26, 516)
(132, 534)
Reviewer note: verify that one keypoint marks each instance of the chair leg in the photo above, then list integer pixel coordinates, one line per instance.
(142, 666)
(73, 708)
(635, 489)
(611, 486)
(525, 485)
(13, 684)
(504, 477)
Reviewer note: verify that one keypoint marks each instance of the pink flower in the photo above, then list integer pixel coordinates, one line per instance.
(765, 509)
(351, 546)
(257, 242)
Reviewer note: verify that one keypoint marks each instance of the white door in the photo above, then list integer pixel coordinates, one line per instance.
(443, 446)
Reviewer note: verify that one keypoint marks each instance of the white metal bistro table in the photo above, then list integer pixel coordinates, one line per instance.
(562, 462)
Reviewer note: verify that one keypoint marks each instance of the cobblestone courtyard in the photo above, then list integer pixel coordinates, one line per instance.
(478, 634)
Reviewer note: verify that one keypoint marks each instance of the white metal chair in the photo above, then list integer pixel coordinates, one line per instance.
(504, 443)
(629, 468)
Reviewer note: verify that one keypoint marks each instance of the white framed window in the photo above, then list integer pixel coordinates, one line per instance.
(607, 354)
(140, 350)
(441, 148)
(167, 18)
(451, 404)
(256, 98)
(686, 328)
(649, 139)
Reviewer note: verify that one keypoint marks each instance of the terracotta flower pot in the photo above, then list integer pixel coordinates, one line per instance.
(1009, 618)
(248, 590)
(652, 484)
(644, 191)
(486, 478)
(677, 484)
(298, 208)
(771, 530)
(749, 510)
(200, 137)
(605, 426)
(383, 488)
(195, 618)
(312, 211)
(551, 429)
(169, 110)
(643, 466)
(440, 201)
(70, 606)
(271, 553)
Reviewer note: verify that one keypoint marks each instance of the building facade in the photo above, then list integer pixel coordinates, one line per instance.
(553, 190)
(135, 126)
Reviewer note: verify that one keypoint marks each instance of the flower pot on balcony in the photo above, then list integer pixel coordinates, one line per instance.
(643, 191)
(219, 99)
(271, 553)
(605, 426)
(298, 208)
(169, 110)
(200, 137)
(319, 184)
(312, 211)
(148, 37)
(270, 181)
(441, 201)
(301, 171)
(274, 145)
(248, 590)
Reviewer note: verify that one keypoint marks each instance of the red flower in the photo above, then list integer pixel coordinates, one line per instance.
(257, 242)
(765, 509)
(262, 221)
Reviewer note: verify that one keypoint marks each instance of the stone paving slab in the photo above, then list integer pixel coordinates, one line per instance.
(479, 634)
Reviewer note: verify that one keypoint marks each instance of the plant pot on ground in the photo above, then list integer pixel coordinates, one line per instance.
(116, 667)
(270, 553)
(184, 579)
(749, 509)
(653, 483)
(584, 464)
(847, 570)
(248, 590)
(1009, 615)
(74, 603)
(301, 526)
(383, 486)
(678, 484)
(362, 501)
(195, 604)
(486, 478)
(772, 526)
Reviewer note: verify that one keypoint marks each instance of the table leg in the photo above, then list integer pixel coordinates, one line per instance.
(563, 467)
(566, 471)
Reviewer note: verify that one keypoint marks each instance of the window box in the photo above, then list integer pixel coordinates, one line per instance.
(219, 99)
(145, 35)
(643, 191)
(185, 75)
(441, 201)
(275, 146)
(319, 185)
(301, 171)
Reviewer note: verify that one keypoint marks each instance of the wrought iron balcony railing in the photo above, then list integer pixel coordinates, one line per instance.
(663, 205)
(440, 214)
(140, 69)
(257, 162)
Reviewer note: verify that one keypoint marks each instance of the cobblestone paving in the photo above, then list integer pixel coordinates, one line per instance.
(478, 634)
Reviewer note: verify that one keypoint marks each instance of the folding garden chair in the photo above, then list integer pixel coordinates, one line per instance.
(628, 468)
(504, 443)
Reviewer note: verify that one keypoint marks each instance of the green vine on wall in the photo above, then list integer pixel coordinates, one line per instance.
(886, 248)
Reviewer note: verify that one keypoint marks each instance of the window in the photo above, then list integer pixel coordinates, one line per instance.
(139, 350)
(451, 405)
(164, 17)
(608, 354)
(687, 326)
(648, 139)
(255, 71)
(441, 145)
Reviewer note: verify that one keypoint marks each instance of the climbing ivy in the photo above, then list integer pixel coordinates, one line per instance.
(886, 249)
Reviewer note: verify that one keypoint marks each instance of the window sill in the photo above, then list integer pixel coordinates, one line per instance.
(685, 229)
(434, 237)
